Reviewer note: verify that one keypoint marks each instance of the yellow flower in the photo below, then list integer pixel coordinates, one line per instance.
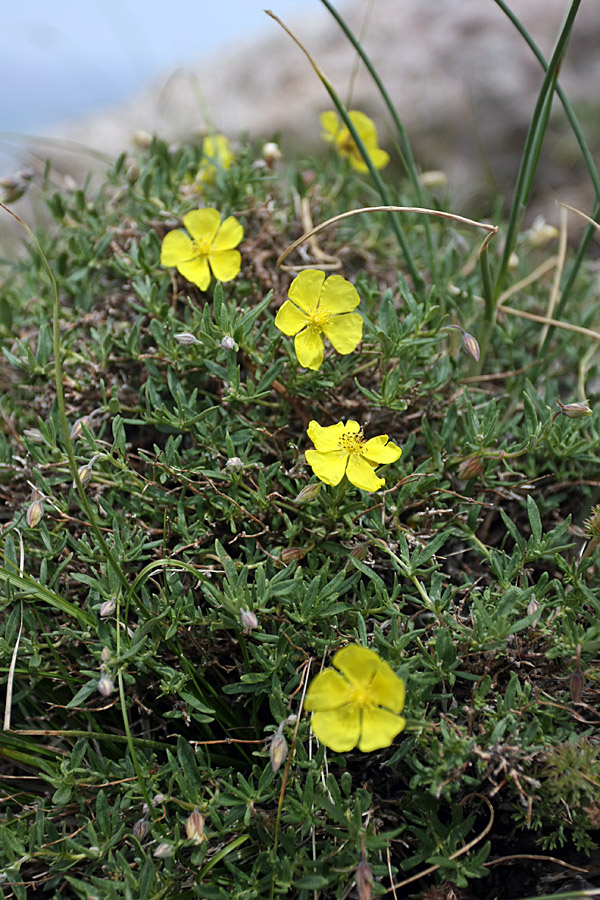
(334, 132)
(320, 307)
(209, 247)
(347, 708)
(342, 450)
(218, 154)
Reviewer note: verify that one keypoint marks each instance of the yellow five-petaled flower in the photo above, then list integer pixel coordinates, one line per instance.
(341, 449)
(359, 706)
(210, 247)
(320, 307)
(334, 132)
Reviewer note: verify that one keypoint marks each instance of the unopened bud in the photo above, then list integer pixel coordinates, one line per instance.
(26, 174)
(278, 749)
(248, 620)
(34, 435)
(470, 468)
(142, 139)
(513, 261)
(77, 429)
(433, 179)
(185, 337)
(470, 345)
(163, 851)
(291, 554)
(308, 493)
(158, 800)
(575, 410)
(576, 684)
(540, 233)
(360, 551)
(532, 606)
(271, 153)
(234, 462)
(228, 343)
(85, 472)
(34, 513)
(106, 655)
(141, 827)
(194, 827)
(107, 608)
(133, 173)
(12, 189)
(105, 686)
(364, 880)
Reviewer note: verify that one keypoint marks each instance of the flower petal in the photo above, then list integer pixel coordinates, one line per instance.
(331, 125)
(361, 474)
(358, 664)
(379, 157)
(387, 689)
(379, 450)
(328, 467)
(290, 319)
(328, 690)
(308, 345)
(202, 224)
(229, 235)
(226, 264)
(364, 125)
(378, 728)
(326, 437)
(176, 248)
(344, 332)
(305, 289)
(338, 295)
(338, 729)
(196, 271)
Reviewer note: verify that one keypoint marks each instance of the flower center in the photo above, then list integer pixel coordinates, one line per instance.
(319, 319)
(360, 698)
(353, 443)
(202, 246)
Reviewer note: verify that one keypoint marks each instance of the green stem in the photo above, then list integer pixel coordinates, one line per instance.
(381, 188)
(406, 154)
(533, 143)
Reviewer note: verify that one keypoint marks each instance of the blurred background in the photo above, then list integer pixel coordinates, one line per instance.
(66, 60)
(90, 74)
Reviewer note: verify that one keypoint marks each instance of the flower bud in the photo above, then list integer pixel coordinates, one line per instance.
(106, 655)
(141, 827)
(158, 800)
(234, 462)
(290, 554)
(228, 343)
(34, 435)
(271, 153)
(470, 345)
(107, 608)
(185, 337)
(77, 429)
(364, 880)
(575, 410)
(308, 493)
(576, 683)
(532, 606)
(85, 472)
(133, 173)
(592, 523)
(34, 513)
(513, 261)
(540, 233)
(105, 686)
(194, 827)
(470, 468)
(142, 139)
(248, 620)
(278, 749)
(163, 851)
(12, 189)
(433, 179)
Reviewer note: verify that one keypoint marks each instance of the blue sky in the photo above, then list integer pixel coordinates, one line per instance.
(67, 58)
